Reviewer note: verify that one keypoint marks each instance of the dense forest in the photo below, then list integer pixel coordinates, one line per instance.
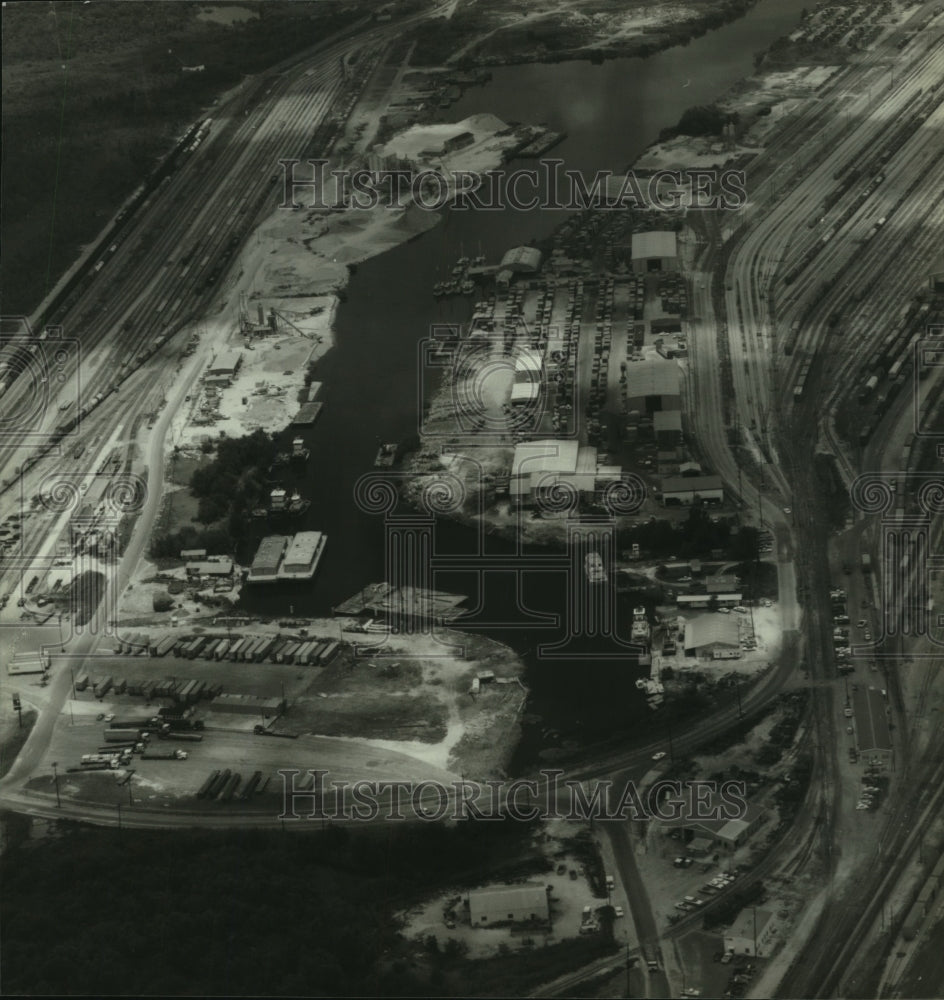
(107, 911)
(95, 93)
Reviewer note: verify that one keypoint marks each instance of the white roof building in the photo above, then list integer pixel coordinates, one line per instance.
(508, 904)
(522, 259)
(708, 632)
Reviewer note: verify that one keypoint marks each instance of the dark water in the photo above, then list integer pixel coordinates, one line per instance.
(372, 380)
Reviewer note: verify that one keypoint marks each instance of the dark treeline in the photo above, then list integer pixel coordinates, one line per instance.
(238, 913)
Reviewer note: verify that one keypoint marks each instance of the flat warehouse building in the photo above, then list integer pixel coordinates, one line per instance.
(655, 251)
(692, 489)
(509, 904)
(653, 386)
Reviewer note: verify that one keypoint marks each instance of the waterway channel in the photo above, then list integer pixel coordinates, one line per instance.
(372, 382)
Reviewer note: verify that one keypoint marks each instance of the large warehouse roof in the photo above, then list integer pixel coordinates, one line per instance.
(545, 456)
(710, 629)
(226, 362)
(504, 898)
(652, 378)
(667, 420)
(522, 259)
(691, 484)
(655, 244)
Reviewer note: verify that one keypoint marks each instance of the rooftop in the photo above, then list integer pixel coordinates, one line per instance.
(515, 897)
(750, 922)
(667, 420)
(303, 548)
(658, 243)
(652, 378)
(691, 484)
(545, 456)
(269, 552)
(709, 629)
(522, 259)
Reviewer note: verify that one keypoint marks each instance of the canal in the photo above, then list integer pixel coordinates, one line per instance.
(372, 378)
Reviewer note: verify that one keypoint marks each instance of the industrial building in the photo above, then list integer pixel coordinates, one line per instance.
(753, 933)
(654, 251)
(210, 566)
(871, 718)
(539, 467)
(265, 565)
(714, 636)
(667, 427)
(247, 704)
(302, 556)
(723, 599)
(722, 583)
(692, 489)
(223, 368)
(527, 383)
(509, 904)
(522, 260)
(652, 386)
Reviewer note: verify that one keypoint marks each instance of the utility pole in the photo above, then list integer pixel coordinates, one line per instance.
(18, 708)
(55, 778)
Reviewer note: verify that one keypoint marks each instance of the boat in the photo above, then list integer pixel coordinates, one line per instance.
(468, 288)
(594, 567)
(386, 456)
(296, 505)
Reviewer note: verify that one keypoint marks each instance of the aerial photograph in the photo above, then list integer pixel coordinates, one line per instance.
(472, 498)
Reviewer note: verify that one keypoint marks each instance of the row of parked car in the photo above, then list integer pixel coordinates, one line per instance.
(712, 886)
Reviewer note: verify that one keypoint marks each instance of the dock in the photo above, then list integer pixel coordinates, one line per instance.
(307, 415)
(537, 144)
(379, 599)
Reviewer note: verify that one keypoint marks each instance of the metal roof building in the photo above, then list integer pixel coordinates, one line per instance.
(652, 386)
(709, 633)
(525, 260)
(667, 427)
(224, 365)
(655, 251)
(508, 904)
(753, 933)
(688, 489)
(302, 554)
(265, 566)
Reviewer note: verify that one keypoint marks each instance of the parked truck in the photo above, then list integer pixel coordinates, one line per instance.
(126, 736)
(184, 736)
(164, 755)
(208, 784)
(110, 760)
(649, 954)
